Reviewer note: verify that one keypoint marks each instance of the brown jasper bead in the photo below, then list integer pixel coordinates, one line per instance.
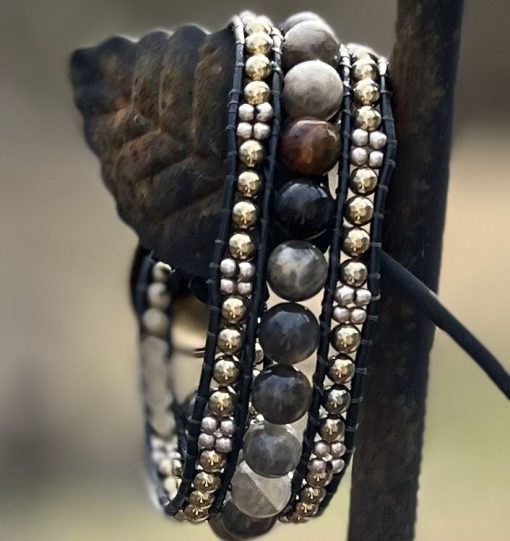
(310, 146)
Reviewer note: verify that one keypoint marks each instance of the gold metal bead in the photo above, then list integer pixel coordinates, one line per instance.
(331, 429)
(366, 92)
(367, 118)
(319, 479)
(226, 370)
(251, 152)
(256, 92)
(202, 500)
(259, 24)
(312, 494)
(346, 338)
(337, 399)
(195, 514)
(307, 509)
(363, 180)
(229, 340)
(258, 67)
(365, 68)
(221, 402)
(244, 214)
(206, 482)
(258, 43)
(241, 246)
(354, 273)
(296, 518)
(212, 461)
(233, 309)
(341, 369)
(359, 211)
(356, 242)
(249, 183)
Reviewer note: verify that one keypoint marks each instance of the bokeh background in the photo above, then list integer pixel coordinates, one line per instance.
(70, 422)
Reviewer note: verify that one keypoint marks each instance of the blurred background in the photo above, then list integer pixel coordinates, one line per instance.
(70, 420)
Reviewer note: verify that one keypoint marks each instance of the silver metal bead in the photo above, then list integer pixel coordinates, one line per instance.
(244, 130)
(158, 296)
(338, 449)
(375, 159)
(377, 140)
(321, 449)
(227, 286)
(223, 445)
(161, 271)
(317, 465)
(155, 322)
(264, 112)
(360, 137)
(228, 267)
(246, 270)
(363, 297)
(337, 465)
(206, 441)
(359, 210)
(227, 427)
(165, 467)
(359, 156)
(358, 316)
(344, 295)
(246, 112)
(244, 288)
(337, 399)
(170, 485)
(261, 131)
(341, 314)
(209, 424)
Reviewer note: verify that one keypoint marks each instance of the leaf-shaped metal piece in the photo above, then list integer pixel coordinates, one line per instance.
(154, 113)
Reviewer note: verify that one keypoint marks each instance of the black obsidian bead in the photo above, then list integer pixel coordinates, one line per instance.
(281, 394)
(233, 525)
(304, 208)
(288, 333)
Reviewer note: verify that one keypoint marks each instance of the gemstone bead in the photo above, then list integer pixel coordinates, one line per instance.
(296, 270)
(257, 496)
(288, 333)
(281, 394)
(271, 450)
(312, 88)
(309, 40)
(310, 146)
(303, 208)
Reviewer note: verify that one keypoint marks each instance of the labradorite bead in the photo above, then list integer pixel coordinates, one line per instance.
(281, 394)
(304, 208)
(271, 450)
(234, 525)
(288, 333)
(296, 270)
(310, 146)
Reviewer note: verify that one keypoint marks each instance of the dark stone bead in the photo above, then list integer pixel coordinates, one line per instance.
(271, 450)
(288, 333)
(281, 394)
(296, 270)
(233, 525)
(304, 208)
(310, 146)
(297, 18)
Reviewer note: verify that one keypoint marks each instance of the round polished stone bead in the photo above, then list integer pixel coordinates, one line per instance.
(258, 496)
(312, 88)
(257, 67)
(341, 369)
(246, 270)
(241, 246)
(359, 210)
(244, 214)
(256, 92)
(337, 399)
(304, 208)
(298, 18)
(354, 273)
(281, 394)
(331, 428)
(227, 286)
(309, 40)
(367, 118)
(249, 183)
(310, 146)
(296, 270)
(231, 524)
(258, 43)
(233, 309)
(356, 242)
(366, 92)
(346, 338)
(271, 450)
(344, 295)
(363, 180)
(288, 333)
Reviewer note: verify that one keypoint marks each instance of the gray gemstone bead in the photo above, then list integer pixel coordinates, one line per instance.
(271, 450)
(297, 18)
(281, 394)
(288, 333)
(309, 40)
(257, 496)
(312, 88)
(296, 270)
(234, 525)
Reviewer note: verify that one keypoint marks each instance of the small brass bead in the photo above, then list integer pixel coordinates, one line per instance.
(229, 340)
(365, 68)
(366, 92)
(206, 482)
(356, 242)
(195, 514)
(258, 43)
(307, 509)
(319, 479)
(313, 495)
(354, 273)
(226, 370)
(259, 24)
(360, 210)
(233, 309)
(249, 183)
(363, 180)
(212, 461)
(251, 152)
(200, 499)
(337, 399)
(258, 67)
(367, 118)
(341, 369)
(256, 92)
(346, 338)
(296, 518)
(331, 429)
(221, 402)
(244, 214)
(241, 246)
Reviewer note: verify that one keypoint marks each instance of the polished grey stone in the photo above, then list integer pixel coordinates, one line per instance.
(281, 394)
(296, 270)
(297, 18)
(271, 450)
(288, 333)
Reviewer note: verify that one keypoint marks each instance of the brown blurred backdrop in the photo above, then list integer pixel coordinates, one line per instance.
(70, 424)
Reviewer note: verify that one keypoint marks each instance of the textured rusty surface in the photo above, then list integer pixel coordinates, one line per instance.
(154, 113)
(387, 462)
